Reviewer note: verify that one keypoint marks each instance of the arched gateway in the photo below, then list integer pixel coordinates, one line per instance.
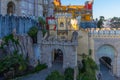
(106, 55)
(105, 51)
(55, 50)
(108, 49)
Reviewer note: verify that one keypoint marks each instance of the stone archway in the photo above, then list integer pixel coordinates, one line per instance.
(10, 8)
(106, 60)
(57, 56)
(106, 51)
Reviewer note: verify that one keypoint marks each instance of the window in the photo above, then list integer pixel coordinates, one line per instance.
(10, 8)
(61, 24)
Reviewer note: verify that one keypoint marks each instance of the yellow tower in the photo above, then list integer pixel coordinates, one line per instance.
(57, 3)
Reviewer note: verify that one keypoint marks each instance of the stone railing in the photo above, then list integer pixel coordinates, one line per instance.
(104, 32)
(58, 42)
(19, 23)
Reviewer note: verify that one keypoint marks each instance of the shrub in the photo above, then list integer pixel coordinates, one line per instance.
(88, 71)
(41, 21)
(33, 33)
(55, 75)
(40, 67)
(15, 61)
(69, 74)
(7, 39)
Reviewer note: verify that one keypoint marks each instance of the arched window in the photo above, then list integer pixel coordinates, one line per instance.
(10, 8)
(61, 24)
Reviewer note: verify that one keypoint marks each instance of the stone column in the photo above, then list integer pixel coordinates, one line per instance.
(118, 65)
(115, 66)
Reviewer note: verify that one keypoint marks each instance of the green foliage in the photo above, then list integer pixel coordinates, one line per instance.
(55, 75)
(69, 74)
(41, 21)
(33, 33)
(40, 67)
(115, 22)
(7, 39)
(88, 71)
(15, 61)
(100, 22)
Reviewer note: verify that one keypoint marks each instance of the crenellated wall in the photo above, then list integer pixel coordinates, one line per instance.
(20, 24)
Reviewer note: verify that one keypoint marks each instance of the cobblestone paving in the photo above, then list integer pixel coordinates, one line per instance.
(43, 74)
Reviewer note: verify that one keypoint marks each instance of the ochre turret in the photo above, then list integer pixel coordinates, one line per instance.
(57, 3)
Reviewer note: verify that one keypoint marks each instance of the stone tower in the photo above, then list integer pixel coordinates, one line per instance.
(21, 7)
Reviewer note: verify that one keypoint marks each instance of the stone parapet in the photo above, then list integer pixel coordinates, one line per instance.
(59, 42)
(105, 32)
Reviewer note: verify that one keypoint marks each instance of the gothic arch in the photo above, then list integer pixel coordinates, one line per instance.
(11, 7)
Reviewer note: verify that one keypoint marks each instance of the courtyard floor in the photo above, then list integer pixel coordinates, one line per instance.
(43, 74)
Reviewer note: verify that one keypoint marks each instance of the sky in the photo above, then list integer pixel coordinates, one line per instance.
(106, 8)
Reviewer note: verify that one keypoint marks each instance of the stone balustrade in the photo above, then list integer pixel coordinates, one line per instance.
(104, 32)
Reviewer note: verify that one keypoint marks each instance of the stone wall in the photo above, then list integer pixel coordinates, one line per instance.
(69, 53)
(20, 24)
(26, 48)
(95, 38)
(101, 37)
(83, 44)
(69, 49)
(23, 7)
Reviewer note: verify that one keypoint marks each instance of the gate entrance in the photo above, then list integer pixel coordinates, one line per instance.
(58, 56)
(106, 61)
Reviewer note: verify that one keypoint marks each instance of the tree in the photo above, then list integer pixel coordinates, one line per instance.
(42, 23)
(100, 22)
(88, 71)
(115, 22)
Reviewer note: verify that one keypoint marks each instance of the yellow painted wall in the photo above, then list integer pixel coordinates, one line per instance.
(82, 43)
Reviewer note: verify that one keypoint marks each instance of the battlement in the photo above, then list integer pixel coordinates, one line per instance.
(59, 42)
(105, 32)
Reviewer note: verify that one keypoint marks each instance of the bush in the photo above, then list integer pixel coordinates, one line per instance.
(15, 61)
(40, 67)
(88, 71)
(7, 39)
(55, 75)
(69, 74)
(33, 33)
